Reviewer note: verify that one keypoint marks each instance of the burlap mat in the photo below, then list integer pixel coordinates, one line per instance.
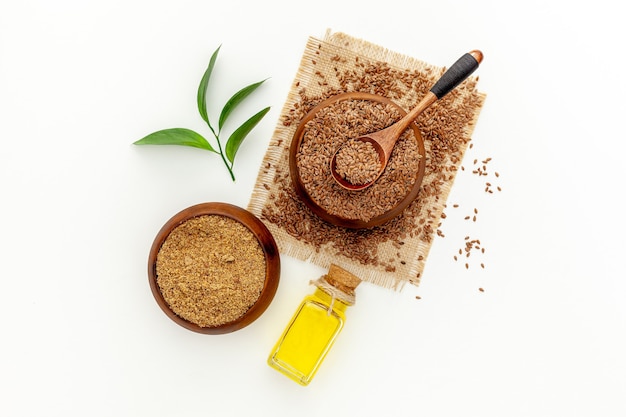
(394, 253)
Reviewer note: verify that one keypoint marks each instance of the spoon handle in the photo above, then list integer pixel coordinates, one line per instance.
(458, 72)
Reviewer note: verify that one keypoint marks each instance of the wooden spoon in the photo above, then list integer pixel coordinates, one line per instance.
(384, 140)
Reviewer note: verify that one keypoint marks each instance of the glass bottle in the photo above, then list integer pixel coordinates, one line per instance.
(314, 327)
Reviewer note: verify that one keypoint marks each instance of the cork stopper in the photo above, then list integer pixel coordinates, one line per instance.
(342, 280)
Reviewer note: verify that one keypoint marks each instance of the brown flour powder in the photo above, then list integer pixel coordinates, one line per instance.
(210, 270)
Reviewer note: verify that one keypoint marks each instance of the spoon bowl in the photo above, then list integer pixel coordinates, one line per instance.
(384, 140)
(375, 157)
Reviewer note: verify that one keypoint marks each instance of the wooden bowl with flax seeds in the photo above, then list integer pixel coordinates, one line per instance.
(214, 268)
(334, 122)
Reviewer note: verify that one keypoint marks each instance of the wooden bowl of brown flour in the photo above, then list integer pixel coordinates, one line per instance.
(214, 268)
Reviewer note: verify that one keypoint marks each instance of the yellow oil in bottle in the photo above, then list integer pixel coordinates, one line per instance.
(314, 327)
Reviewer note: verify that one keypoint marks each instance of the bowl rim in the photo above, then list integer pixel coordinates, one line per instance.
(304, 195)
(263, 236)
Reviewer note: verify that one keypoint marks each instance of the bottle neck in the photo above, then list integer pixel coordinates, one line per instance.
(337, 304)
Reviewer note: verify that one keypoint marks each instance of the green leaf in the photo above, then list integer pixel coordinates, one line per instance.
(234, 101)
(234, 141)
(204, 84)
(176, 136)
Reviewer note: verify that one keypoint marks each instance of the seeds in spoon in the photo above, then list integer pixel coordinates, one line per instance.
(358, 162)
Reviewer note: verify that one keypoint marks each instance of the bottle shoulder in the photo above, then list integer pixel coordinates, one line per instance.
(319, 297)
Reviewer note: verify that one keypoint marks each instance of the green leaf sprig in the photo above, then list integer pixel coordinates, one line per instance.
(187, 137)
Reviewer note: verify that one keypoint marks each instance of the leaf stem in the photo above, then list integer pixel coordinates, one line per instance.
(216, 134)
(230, 169)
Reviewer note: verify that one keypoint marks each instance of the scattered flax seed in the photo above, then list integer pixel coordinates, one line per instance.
(417, 297)
(474, 245)
(210, 270)
(470, 246)
(481, 289)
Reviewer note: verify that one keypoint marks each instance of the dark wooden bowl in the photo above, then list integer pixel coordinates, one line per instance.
(301, 191)
(263, 235)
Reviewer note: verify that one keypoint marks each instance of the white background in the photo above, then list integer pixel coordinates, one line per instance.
(80, 206)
